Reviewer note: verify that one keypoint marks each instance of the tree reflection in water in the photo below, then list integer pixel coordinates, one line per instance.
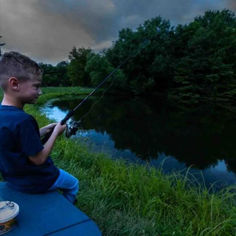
(201, 137)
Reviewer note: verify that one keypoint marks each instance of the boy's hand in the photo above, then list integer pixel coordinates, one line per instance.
(47, 129)
(59, 129)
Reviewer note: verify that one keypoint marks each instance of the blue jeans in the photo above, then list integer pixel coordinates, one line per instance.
(68, 184)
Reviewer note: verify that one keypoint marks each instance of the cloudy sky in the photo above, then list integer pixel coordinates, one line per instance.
(46, 30)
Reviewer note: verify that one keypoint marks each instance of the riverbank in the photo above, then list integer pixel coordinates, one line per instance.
(134, 200)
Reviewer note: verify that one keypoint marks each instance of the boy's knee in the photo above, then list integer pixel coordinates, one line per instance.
(76, 185)
(76, 181)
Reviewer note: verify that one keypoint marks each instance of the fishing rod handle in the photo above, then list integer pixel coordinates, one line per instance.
(67, 117)
(47, 136)
(62, 122)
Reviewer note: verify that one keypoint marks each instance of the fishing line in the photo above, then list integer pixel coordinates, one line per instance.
(70, 113)
(144, 44)
(90, 109)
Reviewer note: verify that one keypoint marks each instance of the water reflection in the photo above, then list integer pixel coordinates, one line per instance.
(137, 130)
(54, 113)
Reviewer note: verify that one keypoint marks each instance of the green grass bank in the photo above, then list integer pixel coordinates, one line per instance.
(134, 200)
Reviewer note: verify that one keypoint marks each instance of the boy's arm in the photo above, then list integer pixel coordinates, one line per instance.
(42, 156)
(46, 129)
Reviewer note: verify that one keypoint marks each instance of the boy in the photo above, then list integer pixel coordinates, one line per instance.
(24, 162)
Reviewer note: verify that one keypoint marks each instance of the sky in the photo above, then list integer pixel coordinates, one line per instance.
(47, 30)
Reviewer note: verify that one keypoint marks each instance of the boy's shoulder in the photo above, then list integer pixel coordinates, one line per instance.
(11, 113)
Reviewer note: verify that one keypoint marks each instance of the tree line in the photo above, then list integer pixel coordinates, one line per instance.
(189, 61)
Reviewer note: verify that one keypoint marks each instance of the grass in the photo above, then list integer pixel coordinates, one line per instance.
(134, 200)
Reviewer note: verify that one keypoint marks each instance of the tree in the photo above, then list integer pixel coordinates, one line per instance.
(62, 76)
(150, 70)
(76, 69)
(99, 68)
(206, 66)
(55, 75)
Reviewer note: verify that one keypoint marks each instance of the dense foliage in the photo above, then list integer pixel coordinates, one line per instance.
(55, 75)
(76, 69)
(192, 61)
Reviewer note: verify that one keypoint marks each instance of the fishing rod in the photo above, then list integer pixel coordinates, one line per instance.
(71, 113)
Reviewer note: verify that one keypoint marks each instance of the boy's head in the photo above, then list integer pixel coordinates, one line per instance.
(16, 65)
(20, 79)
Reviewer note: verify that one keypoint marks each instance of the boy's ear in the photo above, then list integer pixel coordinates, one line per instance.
(13, 83)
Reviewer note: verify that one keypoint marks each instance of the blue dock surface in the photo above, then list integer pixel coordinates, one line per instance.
(47, 214)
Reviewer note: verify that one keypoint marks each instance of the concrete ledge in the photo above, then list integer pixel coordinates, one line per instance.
(47, 214)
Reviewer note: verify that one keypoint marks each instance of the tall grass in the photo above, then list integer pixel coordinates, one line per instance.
(135, 200)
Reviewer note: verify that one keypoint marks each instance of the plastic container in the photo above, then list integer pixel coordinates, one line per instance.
(8, 212)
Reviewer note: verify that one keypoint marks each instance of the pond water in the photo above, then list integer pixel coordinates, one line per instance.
(157, 133)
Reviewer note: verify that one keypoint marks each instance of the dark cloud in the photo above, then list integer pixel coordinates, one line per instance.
(28, 27)
(230, 4)
(47, 30)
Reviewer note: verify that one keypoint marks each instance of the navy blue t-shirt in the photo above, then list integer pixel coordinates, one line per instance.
(19, 139)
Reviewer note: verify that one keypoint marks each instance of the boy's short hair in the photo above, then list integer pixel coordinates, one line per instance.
(14, 64)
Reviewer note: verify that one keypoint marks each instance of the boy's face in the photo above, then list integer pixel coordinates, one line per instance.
(30, 90)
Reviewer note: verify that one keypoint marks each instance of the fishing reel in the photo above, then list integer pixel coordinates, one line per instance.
(72, 128)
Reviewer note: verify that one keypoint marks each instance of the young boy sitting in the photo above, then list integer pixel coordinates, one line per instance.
(24, 161)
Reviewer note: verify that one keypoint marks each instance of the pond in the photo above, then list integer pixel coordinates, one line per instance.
(157, 133)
